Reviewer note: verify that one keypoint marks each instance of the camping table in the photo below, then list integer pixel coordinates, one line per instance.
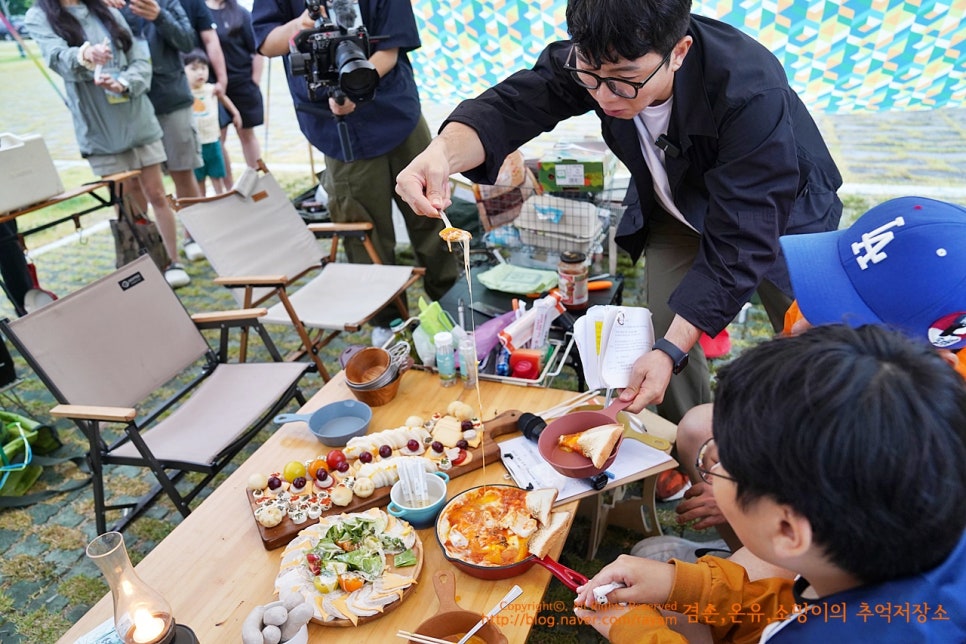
(111, 183)
(213, 569)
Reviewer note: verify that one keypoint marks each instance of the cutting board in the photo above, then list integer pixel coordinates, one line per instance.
(488, 450)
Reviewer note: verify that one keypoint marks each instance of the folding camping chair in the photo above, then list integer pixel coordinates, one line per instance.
(111, 345)
(260, 247)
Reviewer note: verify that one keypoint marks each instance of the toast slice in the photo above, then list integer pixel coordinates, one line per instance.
(595, 443)
(544, 539)
(540, 504)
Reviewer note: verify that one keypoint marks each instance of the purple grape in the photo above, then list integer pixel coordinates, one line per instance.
(299, 482)
(466, 425)
(343, 466)
(365, 457)
(413, 444)
(274, 482)
(321, 474)
(437, 447)
(385, 451)
(462, 444)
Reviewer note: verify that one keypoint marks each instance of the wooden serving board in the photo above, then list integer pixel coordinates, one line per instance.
(488, 450)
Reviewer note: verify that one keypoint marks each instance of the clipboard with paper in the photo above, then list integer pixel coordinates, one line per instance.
(635, 461)
(609, 340)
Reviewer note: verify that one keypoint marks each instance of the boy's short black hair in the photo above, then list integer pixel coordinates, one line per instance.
(861, 431)
(604, 30)
(195, 56)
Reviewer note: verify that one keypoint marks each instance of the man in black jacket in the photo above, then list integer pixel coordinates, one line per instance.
(724, 159)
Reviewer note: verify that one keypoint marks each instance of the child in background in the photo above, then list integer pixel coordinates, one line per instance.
(206, 120)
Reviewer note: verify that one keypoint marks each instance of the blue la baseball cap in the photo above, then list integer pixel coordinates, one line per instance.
(902, 263)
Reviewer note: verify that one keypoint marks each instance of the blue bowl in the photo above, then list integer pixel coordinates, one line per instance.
(335, 423)
(425, 516)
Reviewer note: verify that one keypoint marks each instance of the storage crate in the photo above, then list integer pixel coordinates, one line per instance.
(557, 224)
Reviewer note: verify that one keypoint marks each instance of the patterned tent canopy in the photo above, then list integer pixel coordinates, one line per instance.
(840, 55)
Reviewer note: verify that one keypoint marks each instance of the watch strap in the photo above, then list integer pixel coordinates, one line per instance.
(678, 357)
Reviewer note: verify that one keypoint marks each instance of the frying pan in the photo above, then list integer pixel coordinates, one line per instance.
(335, 423)
(573, 464)
(569, 578)
(451, 620)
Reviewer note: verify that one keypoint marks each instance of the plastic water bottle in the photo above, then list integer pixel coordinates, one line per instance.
(468, 362)
(445, 360)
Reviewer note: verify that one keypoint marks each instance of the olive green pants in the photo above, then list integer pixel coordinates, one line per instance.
(669, 254)
(363, 190)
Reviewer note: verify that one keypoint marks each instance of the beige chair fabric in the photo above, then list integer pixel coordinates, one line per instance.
(262, 235)
(113, 344)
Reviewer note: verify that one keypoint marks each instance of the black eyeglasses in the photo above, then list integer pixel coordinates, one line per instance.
(708, 459)
(619, 86)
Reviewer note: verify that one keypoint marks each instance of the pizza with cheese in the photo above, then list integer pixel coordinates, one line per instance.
(352, 567)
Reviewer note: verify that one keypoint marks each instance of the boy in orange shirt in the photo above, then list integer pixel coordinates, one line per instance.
(821, 442)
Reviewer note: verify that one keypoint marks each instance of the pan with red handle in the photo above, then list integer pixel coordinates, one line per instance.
(568, 577)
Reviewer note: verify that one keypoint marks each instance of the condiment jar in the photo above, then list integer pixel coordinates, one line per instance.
(572, 271)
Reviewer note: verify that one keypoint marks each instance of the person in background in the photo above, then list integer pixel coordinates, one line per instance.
(204, 26)
(385, 133)
(244, 66)
(723, 155)
(13, 266)
(165, 27)
(206, 120)
(107, 74)
(837, 454)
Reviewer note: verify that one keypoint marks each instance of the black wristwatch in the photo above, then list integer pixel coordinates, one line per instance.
(678, 357)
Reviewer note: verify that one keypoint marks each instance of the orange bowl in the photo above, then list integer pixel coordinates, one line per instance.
(380, 396)
(366, 366)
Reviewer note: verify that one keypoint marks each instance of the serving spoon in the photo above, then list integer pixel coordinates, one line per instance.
(451, 233)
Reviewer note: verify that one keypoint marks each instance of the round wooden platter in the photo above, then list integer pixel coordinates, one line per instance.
(416, 569)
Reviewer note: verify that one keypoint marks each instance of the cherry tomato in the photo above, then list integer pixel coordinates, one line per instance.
(460, 457)
(333, 458)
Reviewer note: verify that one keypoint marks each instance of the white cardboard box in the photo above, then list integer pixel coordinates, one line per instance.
(27, 173)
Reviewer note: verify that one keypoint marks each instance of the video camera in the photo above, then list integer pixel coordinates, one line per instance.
(334, 56)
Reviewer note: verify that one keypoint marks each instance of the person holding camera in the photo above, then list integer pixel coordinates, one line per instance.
(366, 143)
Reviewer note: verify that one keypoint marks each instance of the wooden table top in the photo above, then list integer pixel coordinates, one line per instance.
(213, 569)
(108, 181)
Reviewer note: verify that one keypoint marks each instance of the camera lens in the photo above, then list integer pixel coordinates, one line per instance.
(358, 77)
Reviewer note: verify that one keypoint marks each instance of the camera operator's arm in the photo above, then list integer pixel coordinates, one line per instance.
(276, 43)
(384, 60)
